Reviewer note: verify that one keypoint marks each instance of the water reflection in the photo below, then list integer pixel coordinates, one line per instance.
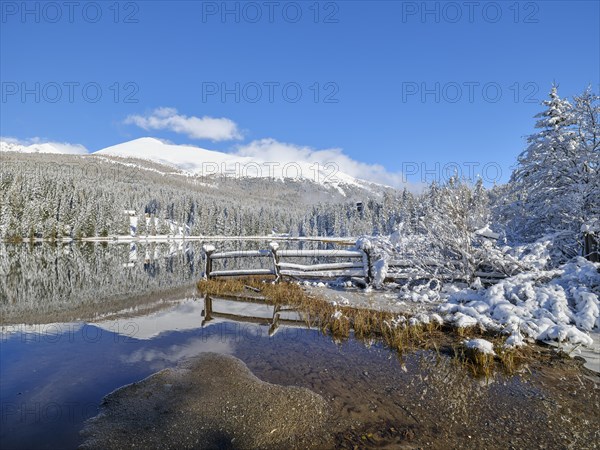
(45, 282)
(55, 375)
(42, 282)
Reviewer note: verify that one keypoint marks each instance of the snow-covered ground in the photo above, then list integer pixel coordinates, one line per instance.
(547, 305)
(379, 300)
(559, 306)
(448, 308)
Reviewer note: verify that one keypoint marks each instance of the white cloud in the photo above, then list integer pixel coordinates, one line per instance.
(10, 140)
(39, 145)
(215, 129)
(272, 150)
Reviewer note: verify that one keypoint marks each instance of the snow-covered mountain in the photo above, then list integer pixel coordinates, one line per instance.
(47, 147)
(202, 162)
(216, 168)
(155, 155)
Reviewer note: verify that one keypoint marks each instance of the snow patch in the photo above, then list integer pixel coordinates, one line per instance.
(480, 345)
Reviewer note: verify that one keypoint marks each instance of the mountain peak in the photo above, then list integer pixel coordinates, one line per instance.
(147, 140)
(203, 162)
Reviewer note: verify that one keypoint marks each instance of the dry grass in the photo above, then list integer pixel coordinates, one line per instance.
(478, 363)
(278, 294)
(507, 360)
(366, 324)
(370, 324)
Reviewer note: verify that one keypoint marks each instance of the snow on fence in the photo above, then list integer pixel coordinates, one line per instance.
(362, 265)
(406, 270)
(359, 268)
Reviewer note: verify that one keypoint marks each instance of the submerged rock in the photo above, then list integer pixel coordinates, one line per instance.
(211, 401)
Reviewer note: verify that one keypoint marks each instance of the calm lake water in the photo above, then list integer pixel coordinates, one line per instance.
(79, 321)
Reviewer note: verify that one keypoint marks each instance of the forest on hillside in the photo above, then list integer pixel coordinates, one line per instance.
(553, 193)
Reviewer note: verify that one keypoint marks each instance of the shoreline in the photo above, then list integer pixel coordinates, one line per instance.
(172, 238)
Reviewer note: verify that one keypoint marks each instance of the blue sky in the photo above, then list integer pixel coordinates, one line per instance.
(361, 67)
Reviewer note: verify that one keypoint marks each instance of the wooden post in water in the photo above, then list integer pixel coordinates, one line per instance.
(207, 312)
(274, 246)
(207, 250)
(275, 323)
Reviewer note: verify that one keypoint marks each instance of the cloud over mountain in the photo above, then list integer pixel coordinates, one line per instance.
(38, 145)
(214, 129)
(332, 160)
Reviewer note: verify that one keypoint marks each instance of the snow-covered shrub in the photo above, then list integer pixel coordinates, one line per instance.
(560, 304)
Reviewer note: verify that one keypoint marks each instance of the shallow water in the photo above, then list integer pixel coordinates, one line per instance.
(54, 377)
(55, 374)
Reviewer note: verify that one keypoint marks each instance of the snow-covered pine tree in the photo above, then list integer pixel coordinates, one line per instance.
(587, 116)
(552, 184)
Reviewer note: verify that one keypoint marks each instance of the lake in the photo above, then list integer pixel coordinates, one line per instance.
(81, 320)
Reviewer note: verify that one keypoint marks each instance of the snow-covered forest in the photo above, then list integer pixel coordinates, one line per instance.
(555, 189)
(73, 196)
(552, 193)
(535, 232)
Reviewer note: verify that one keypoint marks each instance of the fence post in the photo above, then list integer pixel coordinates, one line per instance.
(365, 246)
(369, 272)
(207, 250)
(274, 246)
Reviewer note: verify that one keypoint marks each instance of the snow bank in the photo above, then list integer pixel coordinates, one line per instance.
(515, 339)
(427, 291)
(560, 304)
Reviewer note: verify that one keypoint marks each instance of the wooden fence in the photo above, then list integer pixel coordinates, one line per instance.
(359, 266)
(281, 268)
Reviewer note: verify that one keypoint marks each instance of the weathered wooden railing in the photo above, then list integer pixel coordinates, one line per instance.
(359, 267)
(399, 270)
(281, 268)
(210, 255)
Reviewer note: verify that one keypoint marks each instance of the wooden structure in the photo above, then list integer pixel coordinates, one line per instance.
(355, 264)
(358, 266)
(591, 247)
(228, 308)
